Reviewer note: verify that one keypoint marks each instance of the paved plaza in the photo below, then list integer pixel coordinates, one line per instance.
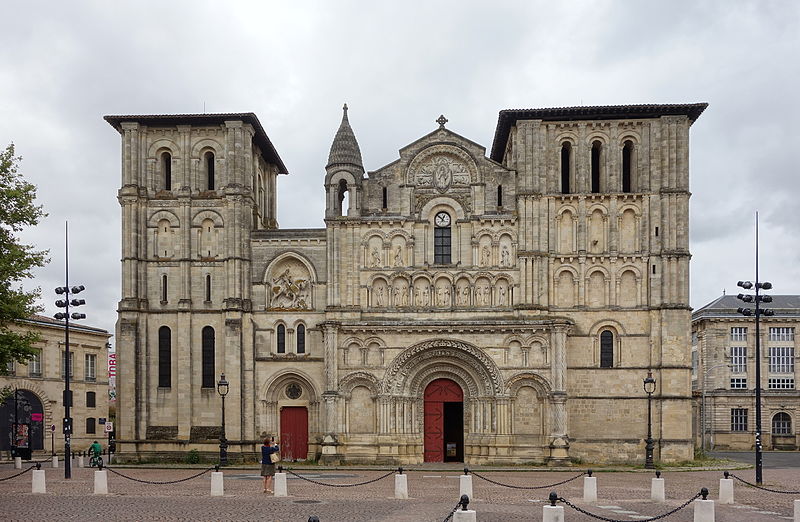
(434, 492)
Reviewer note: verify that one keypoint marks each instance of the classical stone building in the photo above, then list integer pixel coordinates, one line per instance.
(456, 305)
(39, 387)
(723, 365)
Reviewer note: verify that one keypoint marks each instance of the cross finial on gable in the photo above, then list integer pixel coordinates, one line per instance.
(441, 120)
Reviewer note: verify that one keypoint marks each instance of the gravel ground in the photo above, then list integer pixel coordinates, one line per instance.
(622, 496)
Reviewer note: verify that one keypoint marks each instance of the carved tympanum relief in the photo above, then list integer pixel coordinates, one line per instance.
(442, 171)
(290, 286)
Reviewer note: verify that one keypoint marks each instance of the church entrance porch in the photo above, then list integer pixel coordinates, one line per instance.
(444, 422)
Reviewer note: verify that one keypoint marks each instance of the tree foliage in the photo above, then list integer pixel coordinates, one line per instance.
(17, 211)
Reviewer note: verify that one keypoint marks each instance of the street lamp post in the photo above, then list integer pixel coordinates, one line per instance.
(703, 413)
(222, 389)
(649, 384)
(758, 312)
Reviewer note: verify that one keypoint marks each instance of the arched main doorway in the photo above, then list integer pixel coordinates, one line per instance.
(23, 409)
(444, 422)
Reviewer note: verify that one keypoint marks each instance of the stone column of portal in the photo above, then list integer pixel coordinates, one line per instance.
(559, 447)
(329, 441)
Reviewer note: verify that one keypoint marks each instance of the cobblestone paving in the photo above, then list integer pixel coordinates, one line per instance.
(621, 496)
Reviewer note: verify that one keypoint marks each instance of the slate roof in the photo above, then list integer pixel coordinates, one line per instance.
(168, 120)
(43, 320)
(345, 149)
(726, 305)
(508, 117)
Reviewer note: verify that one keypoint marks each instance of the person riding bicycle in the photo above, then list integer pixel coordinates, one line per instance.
(94, 454)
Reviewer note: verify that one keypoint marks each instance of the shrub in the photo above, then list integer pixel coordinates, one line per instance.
(193, 457)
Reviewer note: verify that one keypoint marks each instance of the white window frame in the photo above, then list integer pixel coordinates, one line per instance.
(35, 364)
(780, 383)
(739, 420)
(781, 333)
(64, 362)
(781, 359)
(739, 333)
(90, 367)
(738, 359)
(738, 383)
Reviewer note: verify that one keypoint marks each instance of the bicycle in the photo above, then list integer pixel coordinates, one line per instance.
(95, 461)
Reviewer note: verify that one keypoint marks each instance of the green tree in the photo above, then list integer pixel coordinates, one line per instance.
(17, 211)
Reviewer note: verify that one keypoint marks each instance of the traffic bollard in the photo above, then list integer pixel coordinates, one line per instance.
(726, 490)
(280, 485)
(101, 482)
(657, 493)
(464, 514)
(17, 462)
(217, 484)
(38, 484)
(704, 509)
(55, 461)
(465, 484)
(80, 461)
(590, 488)
(551, 512)
(401, 486)
(797, 511)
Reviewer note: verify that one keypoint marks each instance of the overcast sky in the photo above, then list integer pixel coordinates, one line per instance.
(399, 65)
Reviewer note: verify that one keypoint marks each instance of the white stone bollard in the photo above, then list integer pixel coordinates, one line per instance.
(797, 511)
(280, 485)
(17, 462)
(590, 488)
(101, 482)
(401, 486)
(726, 491)
(55, 461)
(464, 516)
(37, 482)
(703, 510)
(657, 493)
(217, 484)
(465, 485)
(80, 461)
(552, 513)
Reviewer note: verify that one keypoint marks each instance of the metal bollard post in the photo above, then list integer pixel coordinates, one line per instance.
(551, 512)
(657, 493)
(465, 484)
(217, 484)
(38, 484)
(400, 485)
(726, 489)
(589, 488)
(313, 518)
(704, 509)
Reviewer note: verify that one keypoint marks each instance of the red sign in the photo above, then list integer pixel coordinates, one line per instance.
(36, 417)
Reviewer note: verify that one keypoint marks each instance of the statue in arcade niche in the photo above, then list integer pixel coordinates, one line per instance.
(501, 295)
(505, 257)
(376, 257)
(398, 256)
(486, 256)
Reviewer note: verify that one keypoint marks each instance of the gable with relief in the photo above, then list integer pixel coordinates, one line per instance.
(289, 285)
(442, 168)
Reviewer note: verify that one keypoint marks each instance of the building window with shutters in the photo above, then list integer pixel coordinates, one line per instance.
(606, 349)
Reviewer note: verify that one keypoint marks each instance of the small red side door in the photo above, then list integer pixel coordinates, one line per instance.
(294, 433)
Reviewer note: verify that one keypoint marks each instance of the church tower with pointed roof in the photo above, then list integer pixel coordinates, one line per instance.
(345, 171)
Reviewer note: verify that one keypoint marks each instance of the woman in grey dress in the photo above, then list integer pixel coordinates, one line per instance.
(267, 467)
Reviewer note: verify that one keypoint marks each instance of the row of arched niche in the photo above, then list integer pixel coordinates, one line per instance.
(442, 292)
(599, 230)
(165, 234)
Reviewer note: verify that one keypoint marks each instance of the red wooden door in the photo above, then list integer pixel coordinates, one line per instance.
(436, 394)
(294, 433)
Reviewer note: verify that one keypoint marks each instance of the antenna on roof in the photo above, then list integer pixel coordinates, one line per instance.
(204, 107)
(723, 291)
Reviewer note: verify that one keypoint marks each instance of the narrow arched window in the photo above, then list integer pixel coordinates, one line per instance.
(344, 198)
(566, 153)
(164, 288)
(385, 198)
(781, 424)
(606, 349)
(164, 357)
(441, 239)
(499, 196)
(166, 170)
(208, 288)
(597, 149)
(209, 157)
(627, 157)
(301, 338)
(208, 362)
(281, 339)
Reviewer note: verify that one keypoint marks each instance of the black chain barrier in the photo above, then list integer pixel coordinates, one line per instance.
(18, 474)
(554, 497)
(156, 481)
(527, 487)
(463, 502)
(338, 485)
(761, 487)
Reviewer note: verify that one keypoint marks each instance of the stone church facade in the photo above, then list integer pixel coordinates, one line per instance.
(499, 308)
